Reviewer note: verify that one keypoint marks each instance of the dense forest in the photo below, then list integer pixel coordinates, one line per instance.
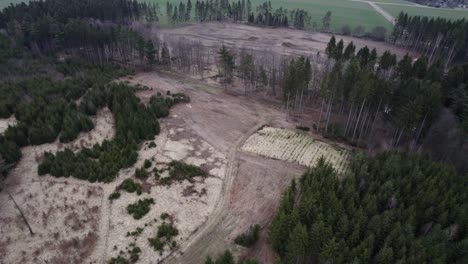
(394, 208)
(440, 40)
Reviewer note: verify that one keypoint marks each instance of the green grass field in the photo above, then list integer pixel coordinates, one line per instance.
(344, 12)
(4, 3)
(454, 14)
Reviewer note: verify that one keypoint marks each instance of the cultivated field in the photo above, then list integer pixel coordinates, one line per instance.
(419, 10)
(292, 146)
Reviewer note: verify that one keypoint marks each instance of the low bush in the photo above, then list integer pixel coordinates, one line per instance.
(140, 208)
(164, 216)
(167, 230)
(114, 196)
(248, 238)
(141, 173)
(130, 186)
(180, 171)
(303, 128)
(147, 164)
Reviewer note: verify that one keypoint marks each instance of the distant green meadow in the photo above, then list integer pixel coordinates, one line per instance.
(344, 12)
(415, 10)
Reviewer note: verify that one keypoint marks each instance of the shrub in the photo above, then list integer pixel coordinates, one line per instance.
(130, 186)
(140, 208)
(248, 238)
(378, 33)
(164, 216)
(141, 173)
(304, 128)
(156, 243)
(114, 196)
(152, 144)
(135, 233)
(134, 253)
(180, 171)
(167, 230)
(147, 164)
(346, 30)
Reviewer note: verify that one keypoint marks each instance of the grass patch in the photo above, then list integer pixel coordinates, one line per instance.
(140, 208)
(447, 13)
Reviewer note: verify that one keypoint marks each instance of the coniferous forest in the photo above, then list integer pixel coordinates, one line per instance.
(394, 208)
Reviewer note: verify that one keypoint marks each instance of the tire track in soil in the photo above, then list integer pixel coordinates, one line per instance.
(215, 227)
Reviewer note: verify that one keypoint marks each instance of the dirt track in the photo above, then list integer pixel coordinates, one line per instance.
(225, 121)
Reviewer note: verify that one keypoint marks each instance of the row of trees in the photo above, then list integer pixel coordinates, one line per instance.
(436, 38)
(179, 14)
(395, 208)
(240, 11)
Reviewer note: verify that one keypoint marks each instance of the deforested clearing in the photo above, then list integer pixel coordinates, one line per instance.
(288, 145)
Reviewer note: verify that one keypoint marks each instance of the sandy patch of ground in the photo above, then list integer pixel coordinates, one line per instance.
(280, 40)
(5, 122)
(63, 213)
(292, 146)
(188, 204)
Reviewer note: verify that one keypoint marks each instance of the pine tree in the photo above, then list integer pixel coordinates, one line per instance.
(298, 244)
(165, 56)
(150, 53)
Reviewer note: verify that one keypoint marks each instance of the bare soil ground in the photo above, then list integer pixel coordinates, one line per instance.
(279, 40)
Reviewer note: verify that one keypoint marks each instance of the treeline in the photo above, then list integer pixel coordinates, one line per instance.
(395, 208)
(240, 11)
(438, 39)
(134, 123)
(46, 109)
(47, 27)
(407, 94)
(30, 15)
